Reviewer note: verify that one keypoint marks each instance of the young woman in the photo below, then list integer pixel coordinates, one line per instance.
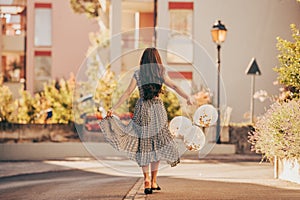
(146, 139)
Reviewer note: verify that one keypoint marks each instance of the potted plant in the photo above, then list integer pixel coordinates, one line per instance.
(16, 70)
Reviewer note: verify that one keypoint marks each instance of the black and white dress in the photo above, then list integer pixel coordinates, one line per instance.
(146, 138)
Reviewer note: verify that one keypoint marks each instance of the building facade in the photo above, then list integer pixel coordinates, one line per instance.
(45, 38)
(184, 39)
(50, 41)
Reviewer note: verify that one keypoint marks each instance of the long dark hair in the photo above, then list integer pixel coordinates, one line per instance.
(151, 73)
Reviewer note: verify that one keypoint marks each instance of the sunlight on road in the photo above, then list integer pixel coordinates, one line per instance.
(237, 172)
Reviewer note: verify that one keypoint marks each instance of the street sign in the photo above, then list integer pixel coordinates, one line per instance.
(253, 68)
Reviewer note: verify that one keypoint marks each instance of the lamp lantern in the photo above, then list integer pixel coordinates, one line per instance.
(218, 32)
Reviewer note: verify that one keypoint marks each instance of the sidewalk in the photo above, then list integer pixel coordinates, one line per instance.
(14, 168)
(221, 178)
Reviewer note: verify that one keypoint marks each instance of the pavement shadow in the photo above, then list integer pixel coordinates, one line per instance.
(70, 184)
(178, 188)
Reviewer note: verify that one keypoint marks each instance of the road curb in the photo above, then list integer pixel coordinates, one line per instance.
(134, 191)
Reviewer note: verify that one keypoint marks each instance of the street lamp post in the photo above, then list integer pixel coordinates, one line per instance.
(218, 33)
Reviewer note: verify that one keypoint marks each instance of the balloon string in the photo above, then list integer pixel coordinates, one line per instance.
(194, 124)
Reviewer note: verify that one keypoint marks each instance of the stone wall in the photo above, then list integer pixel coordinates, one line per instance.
(17, 133)
(238, 135)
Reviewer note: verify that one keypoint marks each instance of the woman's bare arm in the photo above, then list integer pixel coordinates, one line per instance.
(124, 96)
(177, 89)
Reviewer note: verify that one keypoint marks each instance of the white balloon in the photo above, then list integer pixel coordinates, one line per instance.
(194, 139)
(205, 115)
(179, 125)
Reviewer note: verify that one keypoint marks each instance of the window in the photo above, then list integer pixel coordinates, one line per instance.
(181, 17)
(42, 69)
(43, 24)
(12, 49)
(180, 45)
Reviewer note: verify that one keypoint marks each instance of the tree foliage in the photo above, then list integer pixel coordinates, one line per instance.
(289, 60)
(107, 85)
(88, 7)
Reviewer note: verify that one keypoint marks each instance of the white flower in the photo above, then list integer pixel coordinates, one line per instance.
(261, 95)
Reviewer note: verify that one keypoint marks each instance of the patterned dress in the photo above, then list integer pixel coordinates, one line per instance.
(146, 138)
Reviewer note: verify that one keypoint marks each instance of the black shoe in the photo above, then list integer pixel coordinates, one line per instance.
(157, 188)
(148, 191)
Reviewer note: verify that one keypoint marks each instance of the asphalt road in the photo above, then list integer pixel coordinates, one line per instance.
(191, 179)
(65, 185)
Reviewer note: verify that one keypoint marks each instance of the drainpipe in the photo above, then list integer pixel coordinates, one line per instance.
(155, 21)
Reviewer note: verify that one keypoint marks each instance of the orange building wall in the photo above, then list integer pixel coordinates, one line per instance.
(146, 21)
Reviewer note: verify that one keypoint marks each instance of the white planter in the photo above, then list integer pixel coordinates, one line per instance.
(287, 169)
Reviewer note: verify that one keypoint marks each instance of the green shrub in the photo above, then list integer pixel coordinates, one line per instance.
(169, 99)
(58, 97)
(5, 102)
(23, 109)
(171, 103)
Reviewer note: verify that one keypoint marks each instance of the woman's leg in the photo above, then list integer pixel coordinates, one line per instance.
(154, 171)
(146, 176)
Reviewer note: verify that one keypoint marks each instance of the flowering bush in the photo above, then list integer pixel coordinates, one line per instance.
(201, 98)
(277, 131)
(261, 95)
